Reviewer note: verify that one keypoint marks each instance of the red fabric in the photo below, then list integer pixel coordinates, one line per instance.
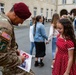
(61, 59)
(22, 10)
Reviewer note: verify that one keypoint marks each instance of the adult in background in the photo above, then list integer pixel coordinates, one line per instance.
(53, 34)
(31, 22)
(39, 40)
(74, 24)
(31, 36)
(10, 58)
(43, 20)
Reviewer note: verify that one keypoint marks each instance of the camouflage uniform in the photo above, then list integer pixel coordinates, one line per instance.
(9, 60)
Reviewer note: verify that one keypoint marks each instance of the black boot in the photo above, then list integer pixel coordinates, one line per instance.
(41, 63)
(36, 64)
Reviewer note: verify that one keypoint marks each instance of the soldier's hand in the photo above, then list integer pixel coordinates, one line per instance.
(23, 58)
(18, 52)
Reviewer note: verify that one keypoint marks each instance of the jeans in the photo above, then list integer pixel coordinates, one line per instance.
(32, 47)
(75, 27)
(53, 46)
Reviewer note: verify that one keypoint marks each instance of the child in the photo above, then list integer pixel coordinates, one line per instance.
(31, 36)
(39, 40)
(53, 34)
(64, 58)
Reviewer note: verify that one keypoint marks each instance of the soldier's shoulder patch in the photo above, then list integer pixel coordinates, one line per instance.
(5, 35)
(3, 46)
(5, 38)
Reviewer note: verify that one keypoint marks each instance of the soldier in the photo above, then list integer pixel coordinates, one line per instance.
(9, 56)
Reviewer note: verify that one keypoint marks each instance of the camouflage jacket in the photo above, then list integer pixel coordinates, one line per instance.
(9, 59)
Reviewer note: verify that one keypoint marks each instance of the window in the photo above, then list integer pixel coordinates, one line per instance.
(47, 12)
(1, 7)
(74, 1)
(51, 12)
(42, 11)
(53, 1)
(35, 11)
(63, 1)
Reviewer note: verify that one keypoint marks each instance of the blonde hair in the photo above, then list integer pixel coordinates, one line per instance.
(33, 20)
(55, 18)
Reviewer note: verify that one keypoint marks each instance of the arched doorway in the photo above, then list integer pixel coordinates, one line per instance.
(73, 11)
(63, 12)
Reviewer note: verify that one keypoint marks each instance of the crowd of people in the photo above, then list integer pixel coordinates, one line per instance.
(61, 35)
(63, 44)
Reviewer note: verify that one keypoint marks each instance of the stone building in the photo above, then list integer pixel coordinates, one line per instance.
(66, 7)
(45, 8)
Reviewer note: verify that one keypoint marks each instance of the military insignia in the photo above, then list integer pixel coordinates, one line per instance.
(4, 41)
(5, 38)
(5, 35)
(3, 45)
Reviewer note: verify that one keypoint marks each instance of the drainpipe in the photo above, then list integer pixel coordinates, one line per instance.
(57, 6)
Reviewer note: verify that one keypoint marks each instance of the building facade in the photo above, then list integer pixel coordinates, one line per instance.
(66, 7)
(45, 8)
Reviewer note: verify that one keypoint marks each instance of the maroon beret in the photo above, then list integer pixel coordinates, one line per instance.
(22, 10)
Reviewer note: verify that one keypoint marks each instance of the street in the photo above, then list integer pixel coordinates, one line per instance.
(22, 38)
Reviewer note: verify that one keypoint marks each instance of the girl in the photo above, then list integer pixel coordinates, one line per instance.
(53, 34)
(39, 40)
(31, 36)
(65, 50)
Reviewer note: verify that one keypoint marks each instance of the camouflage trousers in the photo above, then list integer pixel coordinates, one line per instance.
(16, 71)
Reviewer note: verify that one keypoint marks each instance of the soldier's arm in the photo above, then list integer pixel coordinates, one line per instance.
(8, 56)
(14, 44)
